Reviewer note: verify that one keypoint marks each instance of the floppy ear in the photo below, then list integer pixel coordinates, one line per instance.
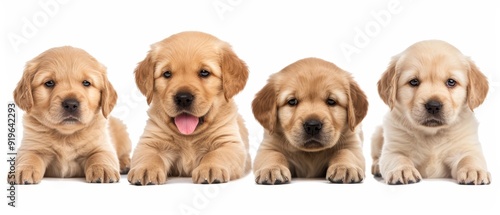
(22, 94)
(387, 85)
(108, 97)
(477, 88)
(357, 105)
(264, 107)
(144, 76)
(234, 73)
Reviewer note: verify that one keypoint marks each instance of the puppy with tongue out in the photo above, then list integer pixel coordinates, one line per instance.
(194, 129)
(186, 123)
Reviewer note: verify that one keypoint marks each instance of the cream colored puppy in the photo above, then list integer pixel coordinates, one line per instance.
(430, 131)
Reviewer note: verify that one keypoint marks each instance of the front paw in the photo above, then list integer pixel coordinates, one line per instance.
(275, 174)
(210, 174)
(26, 174)
(147, 175)
(101, 173)
(124, 164)
(341, 173)
(403, 175)
(376, 169)
(473, 176)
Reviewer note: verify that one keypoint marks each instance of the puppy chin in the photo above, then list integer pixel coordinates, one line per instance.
(309, 144)
(312, 146)
(432, 122)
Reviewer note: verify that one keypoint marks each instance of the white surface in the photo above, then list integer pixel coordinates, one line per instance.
(268, 35)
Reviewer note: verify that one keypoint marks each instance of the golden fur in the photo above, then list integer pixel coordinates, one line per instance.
(62, 143)
(288, 150)
(217, 150)
(421, 140)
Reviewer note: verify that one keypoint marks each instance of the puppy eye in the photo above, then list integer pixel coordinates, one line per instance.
(414, 82)
(50, 84)
(86, 83)
(331, 102)
(451, 83)
(293, 102)
(204, 73)
(167, 74)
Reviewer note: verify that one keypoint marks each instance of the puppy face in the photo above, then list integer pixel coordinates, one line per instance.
(65, 88)
(311, 102)
(431, 83)
(188, 76)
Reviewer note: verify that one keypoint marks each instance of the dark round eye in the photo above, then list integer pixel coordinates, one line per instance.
(50, 84)
(331, 102)
(293, 102)
(451, 83)
(86, 83)
(414, 82)
(204, 73)
(167, 74)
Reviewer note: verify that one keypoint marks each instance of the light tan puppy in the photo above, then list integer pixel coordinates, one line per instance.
(430, 131)
(194, 128)
(311, 111)
(67, 98)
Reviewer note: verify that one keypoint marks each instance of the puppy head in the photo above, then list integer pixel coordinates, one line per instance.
(312, 103)
(65, 88)
(187, 76)
(431, 83)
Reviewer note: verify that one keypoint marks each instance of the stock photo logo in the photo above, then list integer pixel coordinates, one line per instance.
(32, 24)
(222, 7)
(363, 36)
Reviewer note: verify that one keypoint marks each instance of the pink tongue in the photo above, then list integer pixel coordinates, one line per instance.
(186, 123)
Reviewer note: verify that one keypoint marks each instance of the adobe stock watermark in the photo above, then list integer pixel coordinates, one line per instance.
(494, 83)
(204, 194)
(222, 7)
(202, 197)
(365, 34)
(31, 25)
(127, 102)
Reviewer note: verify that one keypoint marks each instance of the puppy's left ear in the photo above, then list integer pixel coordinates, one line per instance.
(357, 107)
(478, 86)
(22, 94)
(108, 97)
(234, 73)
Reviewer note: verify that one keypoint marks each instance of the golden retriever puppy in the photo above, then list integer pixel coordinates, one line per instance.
(311, 111)
(430, 131)
(194, 128)
(67, 99)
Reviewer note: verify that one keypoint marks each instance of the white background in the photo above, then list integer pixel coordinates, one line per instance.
(268, 35)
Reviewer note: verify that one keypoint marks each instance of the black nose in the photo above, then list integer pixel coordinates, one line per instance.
(183, 99)
(70, 105)
(433, 107)
(312, 127)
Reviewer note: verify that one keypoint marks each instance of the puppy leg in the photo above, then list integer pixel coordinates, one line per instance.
(397, 168)
(121, 142)
(471, 170)
(346, 166)
(150, 164)
(222, 164)
(102, 167)
(271, 167)
(30, 168)
(376, 150)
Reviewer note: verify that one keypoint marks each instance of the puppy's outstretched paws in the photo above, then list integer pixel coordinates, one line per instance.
(151, 175)
(210, 174)
(26, 174)
(341, 173)
(274, 174)
(403, 175)
(101, 173)
(472, 176)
